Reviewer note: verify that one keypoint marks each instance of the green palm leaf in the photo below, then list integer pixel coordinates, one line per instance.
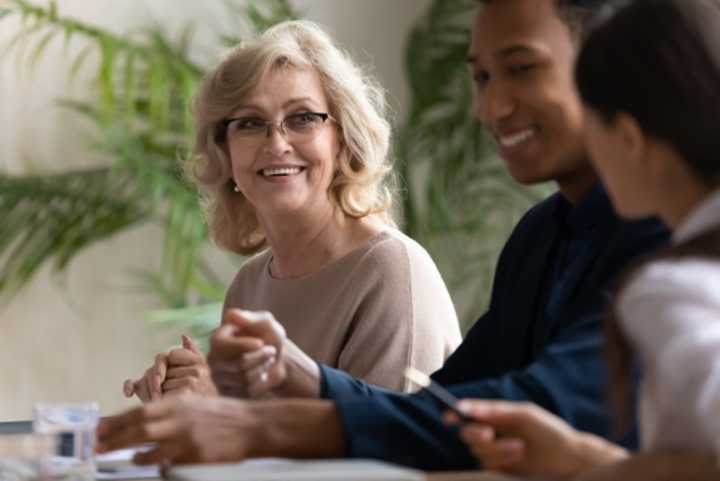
(142, 84)
(50, 218)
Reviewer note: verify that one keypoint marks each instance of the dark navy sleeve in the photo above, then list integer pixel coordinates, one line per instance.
(399, 428)
(567, 376)
(408, 429)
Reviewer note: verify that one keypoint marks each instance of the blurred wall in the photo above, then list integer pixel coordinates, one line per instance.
(77, 337)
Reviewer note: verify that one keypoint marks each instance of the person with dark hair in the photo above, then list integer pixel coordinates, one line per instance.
(540, 340)
(648, 76)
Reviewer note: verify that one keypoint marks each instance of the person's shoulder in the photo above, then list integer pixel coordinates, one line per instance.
(394, 246)
(648, 230)
(253, 267)
(692, 278)
(537, 215)
(386, 248)
(246, 277)
(543, 208)
(631, 244)
(393, 256)
(668, 298)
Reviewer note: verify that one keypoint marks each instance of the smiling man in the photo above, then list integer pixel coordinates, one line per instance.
(540, 340)
(521, 60)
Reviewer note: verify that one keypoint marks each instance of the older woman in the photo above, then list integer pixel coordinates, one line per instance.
(292, 154)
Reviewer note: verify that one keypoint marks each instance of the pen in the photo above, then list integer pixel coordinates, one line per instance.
(439, 392)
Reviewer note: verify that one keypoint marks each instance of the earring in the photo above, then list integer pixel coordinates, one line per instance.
(236, 188)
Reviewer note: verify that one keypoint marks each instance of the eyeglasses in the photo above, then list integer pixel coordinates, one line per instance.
(295, 128)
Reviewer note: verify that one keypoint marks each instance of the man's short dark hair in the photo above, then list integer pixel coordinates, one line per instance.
(578, 13)
(575, 13)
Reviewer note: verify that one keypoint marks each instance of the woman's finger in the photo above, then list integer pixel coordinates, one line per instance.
(129, 387)
(253, 375)
(177, 384)
(259, 387)
(157, 376)
(182, 372)
(184, 357)
(189, 344)
(226, 343)
(243, 363)
(142, 389)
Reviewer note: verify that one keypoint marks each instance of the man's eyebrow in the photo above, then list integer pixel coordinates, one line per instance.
(505, 52)
(513, 49)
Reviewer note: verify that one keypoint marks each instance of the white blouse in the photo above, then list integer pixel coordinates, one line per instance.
(671, 314)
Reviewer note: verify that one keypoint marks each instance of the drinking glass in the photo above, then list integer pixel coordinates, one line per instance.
(73, 427)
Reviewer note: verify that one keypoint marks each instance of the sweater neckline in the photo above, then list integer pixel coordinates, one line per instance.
(366, 246)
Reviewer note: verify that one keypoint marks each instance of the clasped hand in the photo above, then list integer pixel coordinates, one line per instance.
(247, 354)
(245, 360)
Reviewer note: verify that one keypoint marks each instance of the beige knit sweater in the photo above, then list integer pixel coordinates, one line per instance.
(371, 313)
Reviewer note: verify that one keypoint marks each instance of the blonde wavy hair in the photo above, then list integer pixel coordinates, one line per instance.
(364, 184)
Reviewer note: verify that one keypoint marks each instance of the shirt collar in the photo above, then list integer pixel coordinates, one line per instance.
(700, 219)
(591, 209)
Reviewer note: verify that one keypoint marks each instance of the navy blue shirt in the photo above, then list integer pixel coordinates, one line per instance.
(576, 224)
(541, 339)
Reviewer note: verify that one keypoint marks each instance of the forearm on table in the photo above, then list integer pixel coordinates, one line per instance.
(303, 375)
(658, 467)
(297, 428)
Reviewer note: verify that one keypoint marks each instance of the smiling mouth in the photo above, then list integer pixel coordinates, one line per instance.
(280, 171)
(513, 140)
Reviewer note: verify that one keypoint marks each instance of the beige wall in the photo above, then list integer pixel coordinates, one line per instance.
(79, 336)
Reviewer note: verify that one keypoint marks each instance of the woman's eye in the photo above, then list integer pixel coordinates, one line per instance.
(249, 123)
(304, 119)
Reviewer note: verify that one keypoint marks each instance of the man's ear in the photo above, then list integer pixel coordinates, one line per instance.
(632, 138)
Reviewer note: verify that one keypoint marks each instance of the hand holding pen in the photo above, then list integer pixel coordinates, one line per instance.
(478, 422)
(522, 438)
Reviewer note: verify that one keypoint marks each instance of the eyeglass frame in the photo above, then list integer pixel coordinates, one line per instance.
(324, 116)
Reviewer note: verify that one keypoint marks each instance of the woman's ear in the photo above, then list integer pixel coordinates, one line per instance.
(632, 138)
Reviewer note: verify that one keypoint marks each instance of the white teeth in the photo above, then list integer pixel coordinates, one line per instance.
(280, 171)
(518, 138)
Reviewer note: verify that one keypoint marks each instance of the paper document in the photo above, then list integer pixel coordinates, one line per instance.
(118, 465)
(292, 470)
